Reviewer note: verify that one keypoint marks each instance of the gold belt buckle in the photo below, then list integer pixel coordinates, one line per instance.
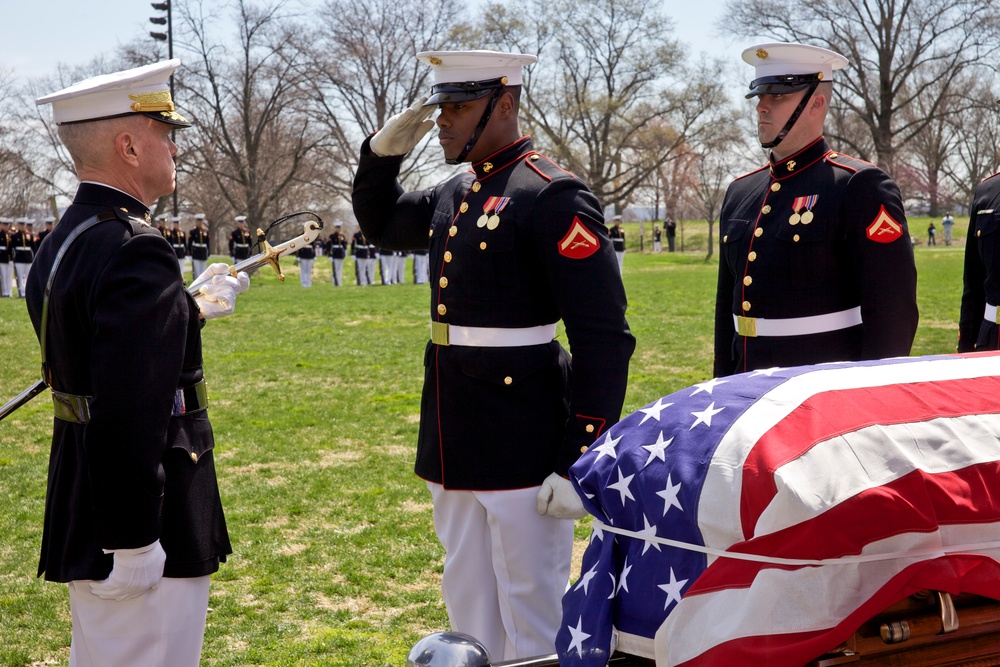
(439, 333)
(746, 326)
(996, 317)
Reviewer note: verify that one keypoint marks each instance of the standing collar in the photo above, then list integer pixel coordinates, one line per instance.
(100, 194)
(801, 160)
(503, 158)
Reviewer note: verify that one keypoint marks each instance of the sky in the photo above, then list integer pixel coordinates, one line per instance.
(37, 35)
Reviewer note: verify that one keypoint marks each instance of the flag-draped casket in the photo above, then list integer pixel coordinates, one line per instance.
(834, 491)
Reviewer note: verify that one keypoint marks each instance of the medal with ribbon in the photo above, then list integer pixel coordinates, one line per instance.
(805, 217)
(490, 218)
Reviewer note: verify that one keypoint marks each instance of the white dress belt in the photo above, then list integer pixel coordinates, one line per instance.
(451, 334)
(797, 326)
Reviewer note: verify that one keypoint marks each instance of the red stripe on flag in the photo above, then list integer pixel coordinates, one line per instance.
(830, 414)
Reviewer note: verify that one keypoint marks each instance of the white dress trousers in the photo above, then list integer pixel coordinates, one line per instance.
(6, 278)
(505, 569)
(161, 628)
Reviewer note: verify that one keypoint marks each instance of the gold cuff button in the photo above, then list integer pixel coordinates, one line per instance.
(442, 309)
(447, 255)
(508, 380)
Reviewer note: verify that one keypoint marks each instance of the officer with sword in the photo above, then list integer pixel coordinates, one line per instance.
(133, 520)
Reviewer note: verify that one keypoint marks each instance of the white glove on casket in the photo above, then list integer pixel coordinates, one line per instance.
(403, 131)
(557, 498)
(217, 298)
(135, 571)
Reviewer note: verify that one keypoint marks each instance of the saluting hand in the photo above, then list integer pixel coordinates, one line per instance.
(404, 130)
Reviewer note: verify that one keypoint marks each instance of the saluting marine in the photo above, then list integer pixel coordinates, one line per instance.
(240, 240)
(198, 241)
(336, 249)
(178, 241)
(516, 244)
(815, 261)
(22, 245)
(6, 253)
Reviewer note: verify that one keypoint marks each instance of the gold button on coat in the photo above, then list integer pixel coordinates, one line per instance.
(583, 450)
(752, 256)
(443, 282)
(464, 207)
(508, 380)
(747, 280)
(452, 230)
(796, 238)
(442, 309)
(589, 428)
(194, 457)
(476, 186)
(775, 187)
(766, 209)
(758, 232)
(447, 255)
(746, 305)
(482, 246)
(725, 238)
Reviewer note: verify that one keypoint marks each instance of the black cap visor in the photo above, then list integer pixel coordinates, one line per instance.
(450, 93)
(781, 85)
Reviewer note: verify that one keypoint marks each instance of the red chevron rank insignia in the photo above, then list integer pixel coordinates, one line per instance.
(884, 229)
(579, 242)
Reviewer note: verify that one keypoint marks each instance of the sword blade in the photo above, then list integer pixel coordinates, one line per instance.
(22, 398)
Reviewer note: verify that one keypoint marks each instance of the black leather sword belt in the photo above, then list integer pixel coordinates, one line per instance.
(76, 409)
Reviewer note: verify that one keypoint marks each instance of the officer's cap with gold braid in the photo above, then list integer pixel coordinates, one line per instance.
(461, 76)
(142, 90)
(782, 68)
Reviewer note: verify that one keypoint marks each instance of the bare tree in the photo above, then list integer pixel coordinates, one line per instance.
(252, 139)
(609, 70)
(712, 162)
(362, 68)
(977, 140)
(888, 44)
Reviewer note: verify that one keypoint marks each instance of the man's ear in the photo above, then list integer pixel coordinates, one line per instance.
(126, 148)
(505, 105)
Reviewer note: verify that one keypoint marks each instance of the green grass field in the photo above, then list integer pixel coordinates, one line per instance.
(315, 399)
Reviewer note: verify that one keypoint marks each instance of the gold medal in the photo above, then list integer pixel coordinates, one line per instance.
(492, 223)
(794, 219)
(807, 217)
(481, 222)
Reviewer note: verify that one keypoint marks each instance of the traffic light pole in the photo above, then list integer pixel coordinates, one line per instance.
(169, 38)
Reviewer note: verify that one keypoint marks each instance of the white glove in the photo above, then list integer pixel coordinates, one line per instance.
(217, 298)
(135, 571)
(557, 498)
(403, 131)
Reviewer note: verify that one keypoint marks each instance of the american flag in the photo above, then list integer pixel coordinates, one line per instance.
(888, 469)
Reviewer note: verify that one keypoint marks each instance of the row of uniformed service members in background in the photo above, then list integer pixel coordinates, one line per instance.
(18, 244)
(815, 265)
